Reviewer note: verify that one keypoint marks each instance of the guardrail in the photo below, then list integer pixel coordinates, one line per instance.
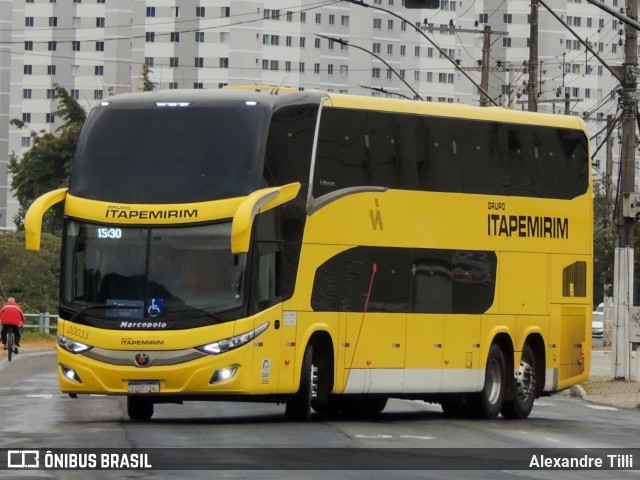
(42, 322)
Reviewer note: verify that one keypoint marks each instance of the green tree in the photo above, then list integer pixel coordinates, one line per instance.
(603, 250)
(31, 277)
(147, 84)
(69, 109)
(47, 164)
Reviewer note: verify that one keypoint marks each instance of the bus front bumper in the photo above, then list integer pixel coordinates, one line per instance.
(197, 374)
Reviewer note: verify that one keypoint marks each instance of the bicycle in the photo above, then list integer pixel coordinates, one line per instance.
(11, 343)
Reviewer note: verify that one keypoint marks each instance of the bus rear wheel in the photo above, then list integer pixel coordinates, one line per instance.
(489, 401)
(525, 388)
(139, 409)
(358, 407)
(454, 407)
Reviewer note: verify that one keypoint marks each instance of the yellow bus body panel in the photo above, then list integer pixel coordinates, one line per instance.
(535, 293)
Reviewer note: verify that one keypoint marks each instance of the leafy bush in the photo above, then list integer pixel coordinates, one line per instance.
(31, 277)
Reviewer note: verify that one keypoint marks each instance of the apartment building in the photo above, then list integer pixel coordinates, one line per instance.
(97, 48)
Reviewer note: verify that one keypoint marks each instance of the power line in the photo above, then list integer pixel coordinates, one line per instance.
(190, 30)
(440, 50)
(342, 42)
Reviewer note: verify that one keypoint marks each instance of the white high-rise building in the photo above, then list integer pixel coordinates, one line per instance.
(97, 48)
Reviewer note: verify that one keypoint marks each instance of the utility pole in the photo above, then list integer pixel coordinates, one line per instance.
(623, 293)
(485, 68)
(629, 104)
(484, 78)
(608, 177)
(532, 86)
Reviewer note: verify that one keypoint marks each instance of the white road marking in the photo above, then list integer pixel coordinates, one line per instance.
(40, 395)
(552, 440)
(601, 407)
(379, 436)
(417, 437)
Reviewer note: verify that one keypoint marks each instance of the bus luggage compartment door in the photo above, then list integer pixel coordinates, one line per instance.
(375, 345)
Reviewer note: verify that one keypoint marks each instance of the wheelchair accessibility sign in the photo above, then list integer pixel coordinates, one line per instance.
(155, 307)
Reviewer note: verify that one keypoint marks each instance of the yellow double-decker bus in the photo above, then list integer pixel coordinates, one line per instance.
(323, 250)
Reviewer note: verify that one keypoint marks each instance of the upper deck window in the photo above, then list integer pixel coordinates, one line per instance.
(366, 148)
(170, 155)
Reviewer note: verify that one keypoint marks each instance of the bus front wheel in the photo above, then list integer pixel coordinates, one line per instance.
(525, 388)
(298, 406)
(490, 400)
(139, 409)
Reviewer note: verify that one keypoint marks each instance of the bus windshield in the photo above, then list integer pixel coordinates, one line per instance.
(185, 274)
(169, 154)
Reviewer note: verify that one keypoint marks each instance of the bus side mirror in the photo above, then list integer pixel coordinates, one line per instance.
(258, 201)
(33, 218)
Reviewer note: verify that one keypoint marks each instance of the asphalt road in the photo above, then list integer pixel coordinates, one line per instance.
(42, 417)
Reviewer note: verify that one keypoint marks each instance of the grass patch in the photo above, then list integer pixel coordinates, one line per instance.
(36, 335)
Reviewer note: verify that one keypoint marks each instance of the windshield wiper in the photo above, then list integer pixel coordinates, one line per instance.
(81, 312)
(202, 312)
(169, 312)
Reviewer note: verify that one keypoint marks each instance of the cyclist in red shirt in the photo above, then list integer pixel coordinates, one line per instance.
(11, 316)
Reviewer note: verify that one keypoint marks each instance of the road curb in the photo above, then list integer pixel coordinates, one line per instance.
(600, 353)
(578, 392)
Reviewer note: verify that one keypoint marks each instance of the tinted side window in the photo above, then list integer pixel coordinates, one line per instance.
(361, 148)
(406, 280)
(289, 145)
(342, 156)
(287, 160)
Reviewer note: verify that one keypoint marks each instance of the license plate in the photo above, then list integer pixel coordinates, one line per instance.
(144, 386)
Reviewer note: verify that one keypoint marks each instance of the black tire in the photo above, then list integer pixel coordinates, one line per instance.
(331, 407)
(525, 388)
(10, 345)
(139, 409)
(298, 406)
(359, 407)
(454, 407)
(322, 400)
(489, 402)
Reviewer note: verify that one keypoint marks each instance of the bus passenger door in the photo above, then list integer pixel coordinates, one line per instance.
(276, 361)
(266, 300)
(269, 352)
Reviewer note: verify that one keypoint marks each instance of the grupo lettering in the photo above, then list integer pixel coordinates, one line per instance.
(497, 206)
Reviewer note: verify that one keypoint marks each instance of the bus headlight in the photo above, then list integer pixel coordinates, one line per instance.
(224, 373)
(70, 374)
(72, 346)
(227, 344)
